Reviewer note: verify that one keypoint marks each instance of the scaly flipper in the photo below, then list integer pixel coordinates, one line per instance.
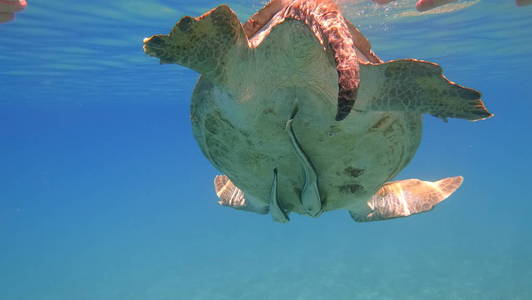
(419, 86)
(407, 197)
(258, 20)
(278, 214)
(232, 196)
(310, 195)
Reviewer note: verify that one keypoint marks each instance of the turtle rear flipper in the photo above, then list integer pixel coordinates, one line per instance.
(407, 197)
(419, 86)
(230, 195)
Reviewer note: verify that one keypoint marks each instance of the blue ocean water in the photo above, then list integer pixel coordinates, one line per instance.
(104, 193)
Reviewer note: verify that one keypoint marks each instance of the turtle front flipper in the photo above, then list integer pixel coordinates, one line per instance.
(230, 195)
(419, 86)
(406, 197)
(324, 19)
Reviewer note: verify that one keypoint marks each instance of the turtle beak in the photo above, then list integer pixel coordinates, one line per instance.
(153, 46)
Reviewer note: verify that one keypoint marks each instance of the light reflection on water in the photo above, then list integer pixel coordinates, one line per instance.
(53, 38)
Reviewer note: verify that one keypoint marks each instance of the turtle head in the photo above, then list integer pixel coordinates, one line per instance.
(200, 43)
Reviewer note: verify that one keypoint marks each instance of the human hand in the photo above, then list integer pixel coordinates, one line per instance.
(424, 5)
(523, 2)
(8, 8)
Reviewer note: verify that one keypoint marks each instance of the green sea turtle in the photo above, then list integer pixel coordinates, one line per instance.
(301, 116)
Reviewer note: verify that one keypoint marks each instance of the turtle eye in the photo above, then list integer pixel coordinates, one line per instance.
(156, 40)
(185, 25)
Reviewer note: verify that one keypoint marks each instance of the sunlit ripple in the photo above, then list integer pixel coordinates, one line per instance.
(53, 39)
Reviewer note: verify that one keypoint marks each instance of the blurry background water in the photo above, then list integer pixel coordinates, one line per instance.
(104, 194)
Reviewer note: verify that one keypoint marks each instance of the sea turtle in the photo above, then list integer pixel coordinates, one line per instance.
(301, 116)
